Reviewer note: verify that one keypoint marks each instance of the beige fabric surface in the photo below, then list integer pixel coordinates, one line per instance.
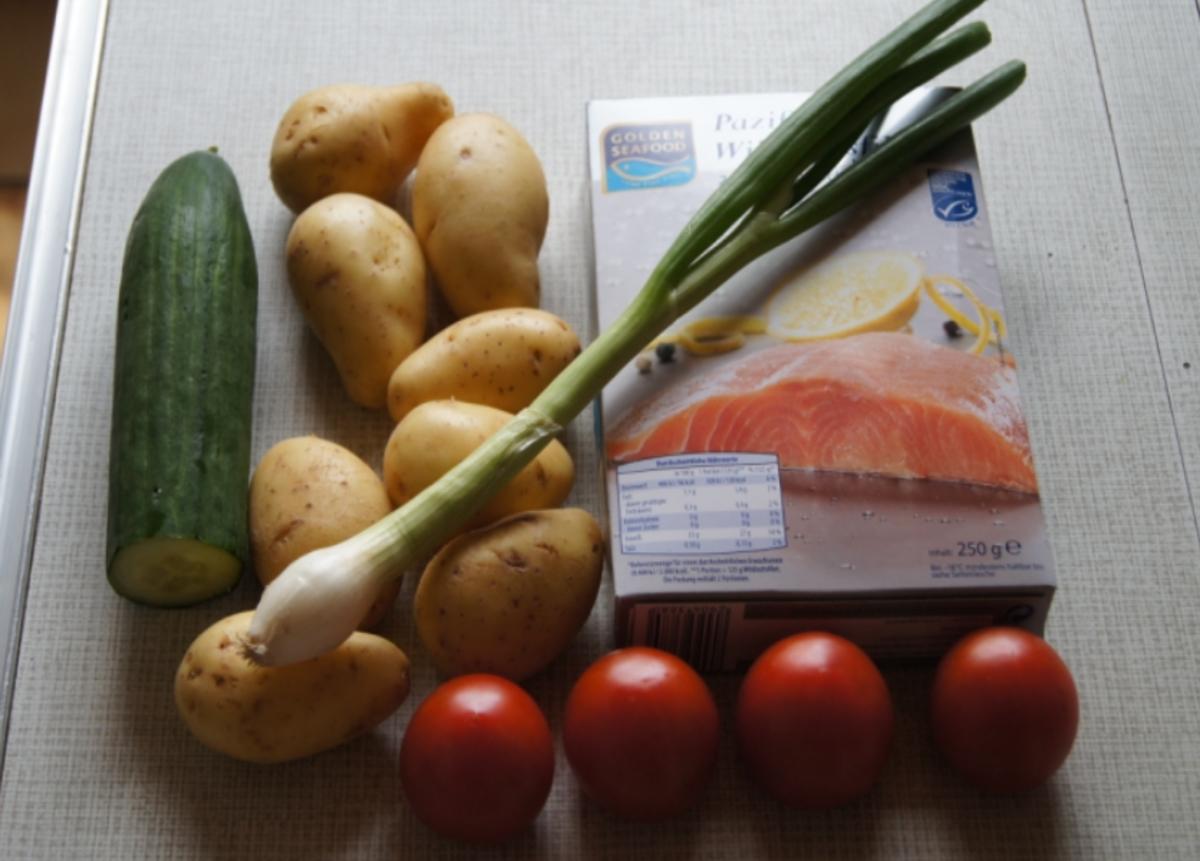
(99, 767)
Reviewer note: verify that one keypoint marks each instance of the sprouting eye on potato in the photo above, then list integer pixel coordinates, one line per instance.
(307, 493)
(353, 138)
(276, 714)
(500, 358)
(509, 598)
(357, 272)
(480, 209)
(437, 435)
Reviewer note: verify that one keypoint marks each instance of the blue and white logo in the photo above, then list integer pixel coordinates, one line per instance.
(648, 155)
(953, 193)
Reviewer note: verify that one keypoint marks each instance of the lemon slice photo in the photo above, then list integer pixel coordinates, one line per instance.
(867, 291)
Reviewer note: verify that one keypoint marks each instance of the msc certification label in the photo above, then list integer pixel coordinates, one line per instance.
(701, 503)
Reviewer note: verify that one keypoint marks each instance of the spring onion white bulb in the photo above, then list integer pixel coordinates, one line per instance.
(313, 606)
(780, 190)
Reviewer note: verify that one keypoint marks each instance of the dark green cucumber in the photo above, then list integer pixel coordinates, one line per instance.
(184, 379)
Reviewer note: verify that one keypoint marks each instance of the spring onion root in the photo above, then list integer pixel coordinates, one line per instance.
(783, 188)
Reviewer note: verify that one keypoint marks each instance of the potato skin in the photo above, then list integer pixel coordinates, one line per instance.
(275, 714)
(509, 598)
(437, 435)
(307, 493)
(350, 137)
(357, 272)
(501, 358)
(480, 208)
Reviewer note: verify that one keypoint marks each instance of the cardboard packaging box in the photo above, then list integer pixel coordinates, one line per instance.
(834, 439)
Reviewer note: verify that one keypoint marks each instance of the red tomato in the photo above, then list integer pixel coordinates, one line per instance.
(814, 720)
(1005, 709)
(640, 732)
(477, 759)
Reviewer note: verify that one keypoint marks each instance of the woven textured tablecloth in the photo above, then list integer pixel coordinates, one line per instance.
(98, 765)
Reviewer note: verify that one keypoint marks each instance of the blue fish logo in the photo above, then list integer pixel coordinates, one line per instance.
(648, 155)
(953, 194)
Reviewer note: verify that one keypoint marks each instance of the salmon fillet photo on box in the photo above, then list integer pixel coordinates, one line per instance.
(881, 403)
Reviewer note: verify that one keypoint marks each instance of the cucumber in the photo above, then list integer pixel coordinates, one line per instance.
(184, 378)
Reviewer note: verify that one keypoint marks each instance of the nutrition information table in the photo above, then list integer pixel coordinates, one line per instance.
(703, 503)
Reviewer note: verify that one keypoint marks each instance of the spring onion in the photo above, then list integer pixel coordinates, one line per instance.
(783, 188)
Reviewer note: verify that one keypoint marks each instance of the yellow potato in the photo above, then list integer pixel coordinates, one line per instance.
(480, 208)
(437, 435)
(308, 493)
(357, 272)
(499, 358)
(509, 598)
(274, 714)
(349, 137)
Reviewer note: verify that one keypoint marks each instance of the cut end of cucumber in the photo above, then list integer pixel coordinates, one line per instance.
(173, 572)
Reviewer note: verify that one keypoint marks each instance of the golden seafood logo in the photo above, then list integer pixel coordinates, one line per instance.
(648, 155)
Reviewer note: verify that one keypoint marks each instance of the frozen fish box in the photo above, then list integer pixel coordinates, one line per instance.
(834, 439)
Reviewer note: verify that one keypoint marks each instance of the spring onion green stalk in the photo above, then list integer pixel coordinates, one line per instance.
(782, 188)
